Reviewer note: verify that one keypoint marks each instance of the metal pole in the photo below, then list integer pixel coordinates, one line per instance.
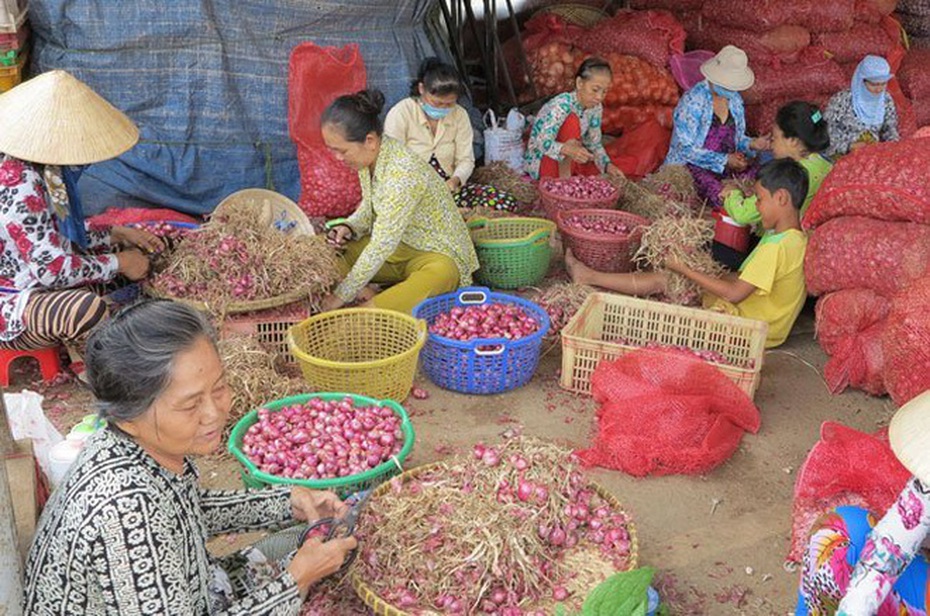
(521, 53)
(11, 567)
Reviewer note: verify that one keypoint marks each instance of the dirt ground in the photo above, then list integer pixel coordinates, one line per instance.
(718, 541)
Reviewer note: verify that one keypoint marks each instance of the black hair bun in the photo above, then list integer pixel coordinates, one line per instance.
(369, 102)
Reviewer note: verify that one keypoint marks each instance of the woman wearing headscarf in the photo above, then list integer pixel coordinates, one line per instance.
(865, 113)
(709, 134)
(51, 127)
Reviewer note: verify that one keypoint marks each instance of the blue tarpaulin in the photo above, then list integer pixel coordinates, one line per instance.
(206, 81)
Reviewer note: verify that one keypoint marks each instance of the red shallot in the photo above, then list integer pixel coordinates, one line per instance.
(491, 320)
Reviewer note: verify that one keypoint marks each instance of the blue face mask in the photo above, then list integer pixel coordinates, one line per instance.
(435, 113)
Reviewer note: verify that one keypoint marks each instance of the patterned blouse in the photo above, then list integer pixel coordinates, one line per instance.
(405, 202)
(693, 118)
(890, 547)
(549, 122)
(846, 128)
(34, 255)
(123, 535)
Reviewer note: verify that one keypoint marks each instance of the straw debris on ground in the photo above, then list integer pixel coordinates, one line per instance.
(499, 175)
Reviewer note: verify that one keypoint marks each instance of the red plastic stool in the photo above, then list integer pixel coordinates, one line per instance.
(49, 363)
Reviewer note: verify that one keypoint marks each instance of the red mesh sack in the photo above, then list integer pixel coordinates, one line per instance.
(761, 117)
(653, 36)
(316, 77)
(815, 15)
(542, 35)
(812, 74)
(922, 114)
(845, 313)
(625, 118)
(856, 252)
(849, 327)
(640, 150)
(859, 363)
(845, 467)
(906, 342)
(664, 413)
(780, 44)
(888, 181)
(668, 5)
(915, 75)
(553, 67)
(872, 11)
(917, 25)
(861, 40)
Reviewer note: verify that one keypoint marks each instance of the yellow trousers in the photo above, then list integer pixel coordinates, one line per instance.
(414, 275)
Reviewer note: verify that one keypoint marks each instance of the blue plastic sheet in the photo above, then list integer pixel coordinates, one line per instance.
(206, 81)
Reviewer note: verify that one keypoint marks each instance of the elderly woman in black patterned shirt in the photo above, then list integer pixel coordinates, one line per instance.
(126, 531)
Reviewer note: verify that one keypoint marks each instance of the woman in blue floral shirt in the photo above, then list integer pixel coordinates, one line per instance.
(709, 135)
(566, 137)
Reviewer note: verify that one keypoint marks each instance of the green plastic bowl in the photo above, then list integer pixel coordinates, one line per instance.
(252, 477)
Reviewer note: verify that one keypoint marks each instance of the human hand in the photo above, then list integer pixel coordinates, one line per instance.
(454, 184)
(737, 161)
(132, 264)
(762, 142)
(338, 235)
(331, 302)
(315, 560)
(614, 172)
(309, 505)
(576, 152)
(131, 237)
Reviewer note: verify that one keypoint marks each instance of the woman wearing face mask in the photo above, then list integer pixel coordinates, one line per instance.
(865, 113)
(432, 124)
(566, 137)
(709, 135)
(407, 231)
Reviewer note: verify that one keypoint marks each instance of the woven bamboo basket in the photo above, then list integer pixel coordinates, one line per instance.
(382, 608)
(582, 15)
(290, 297)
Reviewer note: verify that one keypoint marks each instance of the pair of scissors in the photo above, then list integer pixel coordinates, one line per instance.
(341, 527)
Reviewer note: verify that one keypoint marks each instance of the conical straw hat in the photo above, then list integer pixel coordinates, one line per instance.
(909, 434)
(54, 119)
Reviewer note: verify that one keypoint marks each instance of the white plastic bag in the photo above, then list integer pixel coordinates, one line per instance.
(27, 420)
(501, 143)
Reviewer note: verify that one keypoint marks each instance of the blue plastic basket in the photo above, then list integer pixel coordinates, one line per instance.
(461, 366)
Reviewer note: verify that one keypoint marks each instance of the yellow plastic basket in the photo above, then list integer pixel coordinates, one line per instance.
(365, 351)
(382, 608)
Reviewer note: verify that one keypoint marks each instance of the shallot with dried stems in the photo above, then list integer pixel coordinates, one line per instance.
(511, 530)
(579, 187)
(602, 226)
(499, 175)
(687, 240)
(561, 301)
(232, 259)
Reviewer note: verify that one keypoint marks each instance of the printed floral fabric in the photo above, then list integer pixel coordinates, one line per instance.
(122, 535)
(692, 122)
(34, 255)
(846, 128)
(474, 195)
(855, 567)
(549, 121)
(405, 202)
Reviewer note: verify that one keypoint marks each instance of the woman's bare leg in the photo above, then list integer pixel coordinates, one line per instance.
(641, 284)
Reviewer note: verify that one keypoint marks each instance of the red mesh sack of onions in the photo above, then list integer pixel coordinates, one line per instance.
(850, 324)
(861, 40)
(760, 15)
(811, 74)
(887, 181)
(512, 530)
(664, 413)
(491, 320)
(915, 74)
(553, 67)
(845, 467)
(539, 35)
(855, 252)
(323, 439)
(653, 36)
(906, 342)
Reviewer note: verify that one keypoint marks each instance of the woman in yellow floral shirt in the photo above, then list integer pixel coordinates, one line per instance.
(407, 231)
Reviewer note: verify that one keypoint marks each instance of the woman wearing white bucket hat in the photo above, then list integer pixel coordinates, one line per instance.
(857, 567)
(50, 128)
(709, 133)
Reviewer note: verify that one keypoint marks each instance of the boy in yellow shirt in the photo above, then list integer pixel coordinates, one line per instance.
(770, 284)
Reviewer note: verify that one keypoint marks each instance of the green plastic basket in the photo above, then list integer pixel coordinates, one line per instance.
(513, 252)
(252, 477)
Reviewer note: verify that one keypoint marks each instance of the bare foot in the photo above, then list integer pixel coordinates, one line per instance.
(577, 271)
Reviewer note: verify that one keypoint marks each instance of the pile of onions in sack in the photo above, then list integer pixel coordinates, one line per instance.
(231, 259)
(561, 301)
(512, 530)
(323, 439)
(491, 320)
(553, 67)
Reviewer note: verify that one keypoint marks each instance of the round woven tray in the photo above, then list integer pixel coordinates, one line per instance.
(234, 307)
(579, 14)
(382, 608)
(271, 209)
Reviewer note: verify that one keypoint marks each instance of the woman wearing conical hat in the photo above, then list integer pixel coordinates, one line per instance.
(859, 565)
(51, 127)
